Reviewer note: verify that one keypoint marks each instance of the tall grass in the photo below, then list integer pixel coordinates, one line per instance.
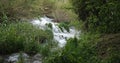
(19, 9)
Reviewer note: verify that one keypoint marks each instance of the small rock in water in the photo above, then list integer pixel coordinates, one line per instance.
(37, 57)
(57, 32)
(15, 57)
(37, 62)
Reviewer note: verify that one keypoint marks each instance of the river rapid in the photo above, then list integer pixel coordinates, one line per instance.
(60, 36)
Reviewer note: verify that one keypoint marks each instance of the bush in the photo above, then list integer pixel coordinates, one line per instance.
(88, 49)
(49, 25)
(81, 50)
(100, 15)
(23, 36)
(64, 25)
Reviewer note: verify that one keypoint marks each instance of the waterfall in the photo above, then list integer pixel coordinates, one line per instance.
(59, 35)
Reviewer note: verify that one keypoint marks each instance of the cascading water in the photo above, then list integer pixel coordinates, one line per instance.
(59, 35)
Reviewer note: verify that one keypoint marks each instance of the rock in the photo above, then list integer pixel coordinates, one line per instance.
(37, 57)
(37, 62)
(23, 57)
(15, 57)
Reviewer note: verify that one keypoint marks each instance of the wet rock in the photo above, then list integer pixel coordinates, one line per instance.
(15, 57)
(37, 57)
(23, 57)
(60, 35)
(37, 62)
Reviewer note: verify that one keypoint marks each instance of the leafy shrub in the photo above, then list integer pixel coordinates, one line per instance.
(87, 49)
(17, 37)
(49, 25)
(47, 49)
(77, 24)
(100, 15)
(77, 51)
(63, 26)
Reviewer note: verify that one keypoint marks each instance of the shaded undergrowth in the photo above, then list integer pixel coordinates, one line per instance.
(90, 48)
(16, 37)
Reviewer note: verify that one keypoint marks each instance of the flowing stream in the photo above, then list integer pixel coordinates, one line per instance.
(59, 35)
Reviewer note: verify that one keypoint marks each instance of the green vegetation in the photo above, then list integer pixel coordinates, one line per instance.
(63, 11)
(99, 21)
(17, 9)
(88, 49)
(17, 37)
(77, 51)
(64, 25)
(98, 15)
(21, 59)
(27, 9)
(49, 25)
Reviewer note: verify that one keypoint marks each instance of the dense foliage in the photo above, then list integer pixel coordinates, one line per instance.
(89, 49)
(64, 26)
(98, 15)
(17, 37)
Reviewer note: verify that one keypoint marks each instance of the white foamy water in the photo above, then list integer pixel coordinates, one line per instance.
(59, 36)
(15, 57)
